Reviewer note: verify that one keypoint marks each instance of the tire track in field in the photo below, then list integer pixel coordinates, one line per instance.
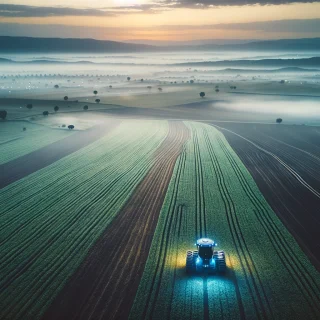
(245, 258)
(105, 285)
(287, 256)
(25, 165)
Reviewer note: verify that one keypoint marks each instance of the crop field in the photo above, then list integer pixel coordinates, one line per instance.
(15, 142)
(102, 232)
(50, 219)
(285, 163)
(212, 194)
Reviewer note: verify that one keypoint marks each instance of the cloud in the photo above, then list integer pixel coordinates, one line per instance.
(224, 3)
(25, 11)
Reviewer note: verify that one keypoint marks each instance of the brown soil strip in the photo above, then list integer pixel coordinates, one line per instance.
(23, 166)
(106, 283)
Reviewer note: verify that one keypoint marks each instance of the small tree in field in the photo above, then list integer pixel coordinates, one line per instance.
(160, 89)
(128, 78)
(56, 109)
(85, 108)
(97, 100)
(65, 98)
(202, 94)
(141, 80)
(29, 106)
(279, 120)
(71, 126)
(217, 90)
(192, 81)
(110, 87)
(95, 92)
(3, 114)
(56, 86)
(45, 113)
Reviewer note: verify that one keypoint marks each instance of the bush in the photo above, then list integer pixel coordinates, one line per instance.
(97, 100)
(24, 128)
(63, 126)
(65, 98)
(202, 94)
(95, 92)
(3, 114)
(279, 120)
(128, 78)
(56, 108)
(56, 86)
(71, 126)
(45, 113)
(85, 107)
(29, 106)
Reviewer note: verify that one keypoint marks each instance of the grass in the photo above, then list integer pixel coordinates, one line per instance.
(212, 194)
(15, 142)
(50, 219)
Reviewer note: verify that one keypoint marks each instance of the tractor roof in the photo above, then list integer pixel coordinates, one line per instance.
(205, 242)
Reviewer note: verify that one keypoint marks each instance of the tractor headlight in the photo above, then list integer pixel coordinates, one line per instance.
(198, 261)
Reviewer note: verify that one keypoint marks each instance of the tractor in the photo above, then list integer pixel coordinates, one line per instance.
(205, 258)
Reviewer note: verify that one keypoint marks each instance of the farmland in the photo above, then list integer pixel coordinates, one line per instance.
(212, 194)
(47, 226)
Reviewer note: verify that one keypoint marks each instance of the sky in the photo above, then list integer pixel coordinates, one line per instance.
(161, 21)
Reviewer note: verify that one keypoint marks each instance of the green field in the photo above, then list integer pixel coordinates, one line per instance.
(50, 219)
(211, 194)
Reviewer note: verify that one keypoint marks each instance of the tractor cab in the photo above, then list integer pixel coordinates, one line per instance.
(205, 258)
(205, 249)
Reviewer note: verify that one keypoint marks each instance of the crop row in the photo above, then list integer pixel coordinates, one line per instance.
(211, 194)
(50, 219)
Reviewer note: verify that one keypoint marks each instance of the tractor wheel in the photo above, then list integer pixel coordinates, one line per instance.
(190, 262)
(197, 268)
(220, 260)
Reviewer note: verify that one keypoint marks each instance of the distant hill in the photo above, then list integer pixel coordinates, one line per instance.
(307, 62)
(37, 45)
(42, 45)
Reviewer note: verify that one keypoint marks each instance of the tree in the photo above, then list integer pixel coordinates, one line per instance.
(110, 86)
(97, 100)
(24, 128)
(45, 113)
(29, 106)
(149, 87)
(85, 107)
(202, 94)
(217, 90)
(128, 78)
(56, 108)
(65, 98)
(141, 80)
(3, 114)
(63, 126)
(71, 126)
(160, 89)
(279, 120)
(191, 81)
(56, 86)
(95, 92)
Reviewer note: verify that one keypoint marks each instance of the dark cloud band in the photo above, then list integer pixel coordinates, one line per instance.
(22, 11)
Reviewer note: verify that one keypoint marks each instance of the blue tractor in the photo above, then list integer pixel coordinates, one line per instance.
(205, 258)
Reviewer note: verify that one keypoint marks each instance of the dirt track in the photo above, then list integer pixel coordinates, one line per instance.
(105, 284)
(38, 159)
(292, 200)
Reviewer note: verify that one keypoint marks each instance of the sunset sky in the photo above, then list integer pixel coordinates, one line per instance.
(164, 20)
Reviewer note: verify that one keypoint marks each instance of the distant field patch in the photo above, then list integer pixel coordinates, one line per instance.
(15, 142)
